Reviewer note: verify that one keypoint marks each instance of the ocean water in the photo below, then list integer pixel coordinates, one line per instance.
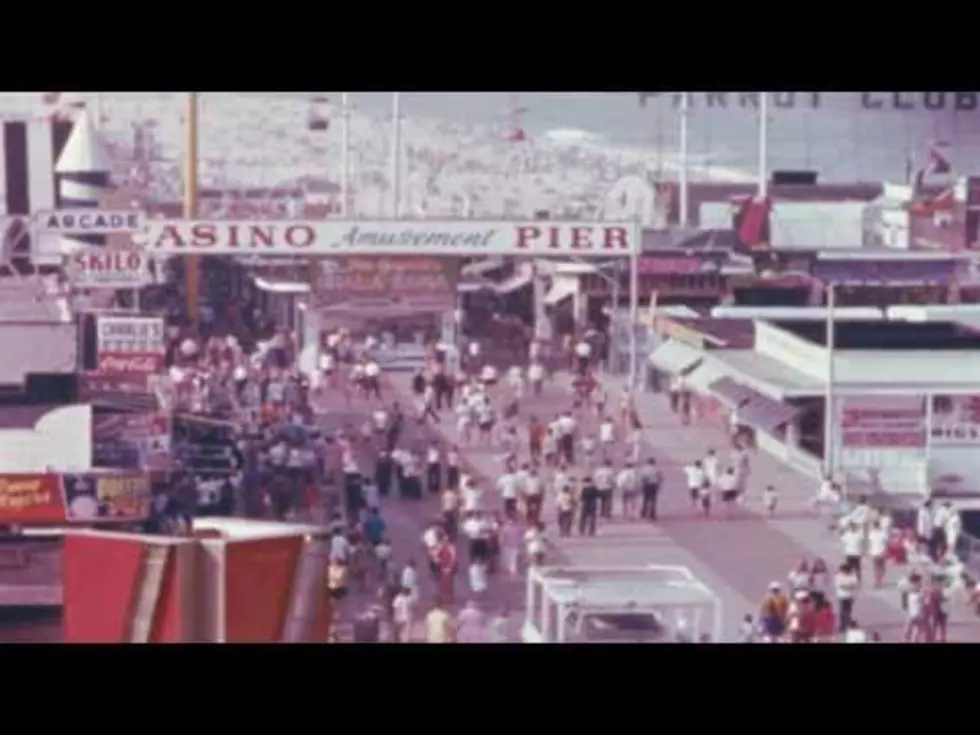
(457, 158)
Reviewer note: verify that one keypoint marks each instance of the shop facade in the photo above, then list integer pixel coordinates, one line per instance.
(902, 421)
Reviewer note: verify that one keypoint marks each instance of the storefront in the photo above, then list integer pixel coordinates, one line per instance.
(877, 279)
(697, 281)
(905, 431)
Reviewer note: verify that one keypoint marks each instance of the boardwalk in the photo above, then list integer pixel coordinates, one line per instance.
(737, 557)
(406, 519)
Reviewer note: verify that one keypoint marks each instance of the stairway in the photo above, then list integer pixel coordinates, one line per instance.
(147, 594)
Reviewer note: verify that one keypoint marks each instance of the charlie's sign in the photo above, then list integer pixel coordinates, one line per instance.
(88, 222)
(428, 237)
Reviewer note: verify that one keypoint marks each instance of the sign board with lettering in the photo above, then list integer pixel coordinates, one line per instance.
(132, 441)
(872, 101)
(130, 345)
(386, 284)
(102, 268)
(31, 499)
(464, 238)
(852, 272)
(892, 422)
(91, 497)
(955, 421)
(89, 221)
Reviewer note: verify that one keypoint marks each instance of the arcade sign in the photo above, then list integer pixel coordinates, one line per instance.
(89, 221)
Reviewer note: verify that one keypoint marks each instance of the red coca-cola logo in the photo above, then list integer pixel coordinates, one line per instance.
(116, 363)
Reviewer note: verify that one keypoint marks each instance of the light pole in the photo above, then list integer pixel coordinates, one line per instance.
(345, 154)
(830, 412)
(192, 264)
(396, 154)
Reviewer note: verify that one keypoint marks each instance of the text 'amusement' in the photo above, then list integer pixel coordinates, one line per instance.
(459, 238)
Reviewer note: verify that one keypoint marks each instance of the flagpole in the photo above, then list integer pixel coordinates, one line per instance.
(684, 153)
(763, 144)
(345, 154)
(396, 153)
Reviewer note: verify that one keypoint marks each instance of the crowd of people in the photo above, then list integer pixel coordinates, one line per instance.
(265, 456)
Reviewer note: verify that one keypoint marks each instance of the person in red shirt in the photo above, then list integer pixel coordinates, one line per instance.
(445, 558)
(824, 622)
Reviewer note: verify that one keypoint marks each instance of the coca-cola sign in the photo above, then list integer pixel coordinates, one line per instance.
(130, 345)
(111, 362)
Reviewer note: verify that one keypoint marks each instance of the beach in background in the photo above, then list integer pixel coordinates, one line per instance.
(458, 160)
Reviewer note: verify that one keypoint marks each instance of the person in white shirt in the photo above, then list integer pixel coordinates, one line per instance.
(924, 525)
(488, 376)
(515, 379)
(549, 446)
(607, 433)
(628, 486)
(433, 469)
(583, 353)
(464, 421)
(473, 498)
(340, 548)
(566, 437)
(915, 609)
(953, 528)
(535, 375)
(278, 454)
(711, 469)
(770, 499)
(372, 379)
(827, 499)
(854, 634)
(535, 544)
(604, 481)
(328, 366)
(878, 551)
(485, 419)
(473, 355)
(846, 584)
(403, 614)
(409, 580)
(507, 485)
(588, 450)
(533, 492)
(939, 542)
(727, 484)
(696, 480)
(852, 542)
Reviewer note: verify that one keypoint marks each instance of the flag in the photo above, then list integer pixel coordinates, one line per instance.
(938, 153)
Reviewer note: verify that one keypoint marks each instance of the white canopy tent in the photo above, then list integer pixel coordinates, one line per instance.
(648, 604)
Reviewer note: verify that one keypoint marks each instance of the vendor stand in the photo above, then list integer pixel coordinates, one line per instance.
(651, 604)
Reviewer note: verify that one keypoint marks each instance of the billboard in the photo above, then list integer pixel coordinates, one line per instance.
(129, 346)
(31, 499)
(386, 284)
(132, 441)
(883, 422)
(955, 421)
(464, 238)
(90, 497)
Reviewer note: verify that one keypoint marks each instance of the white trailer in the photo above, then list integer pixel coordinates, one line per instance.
(649, 604)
